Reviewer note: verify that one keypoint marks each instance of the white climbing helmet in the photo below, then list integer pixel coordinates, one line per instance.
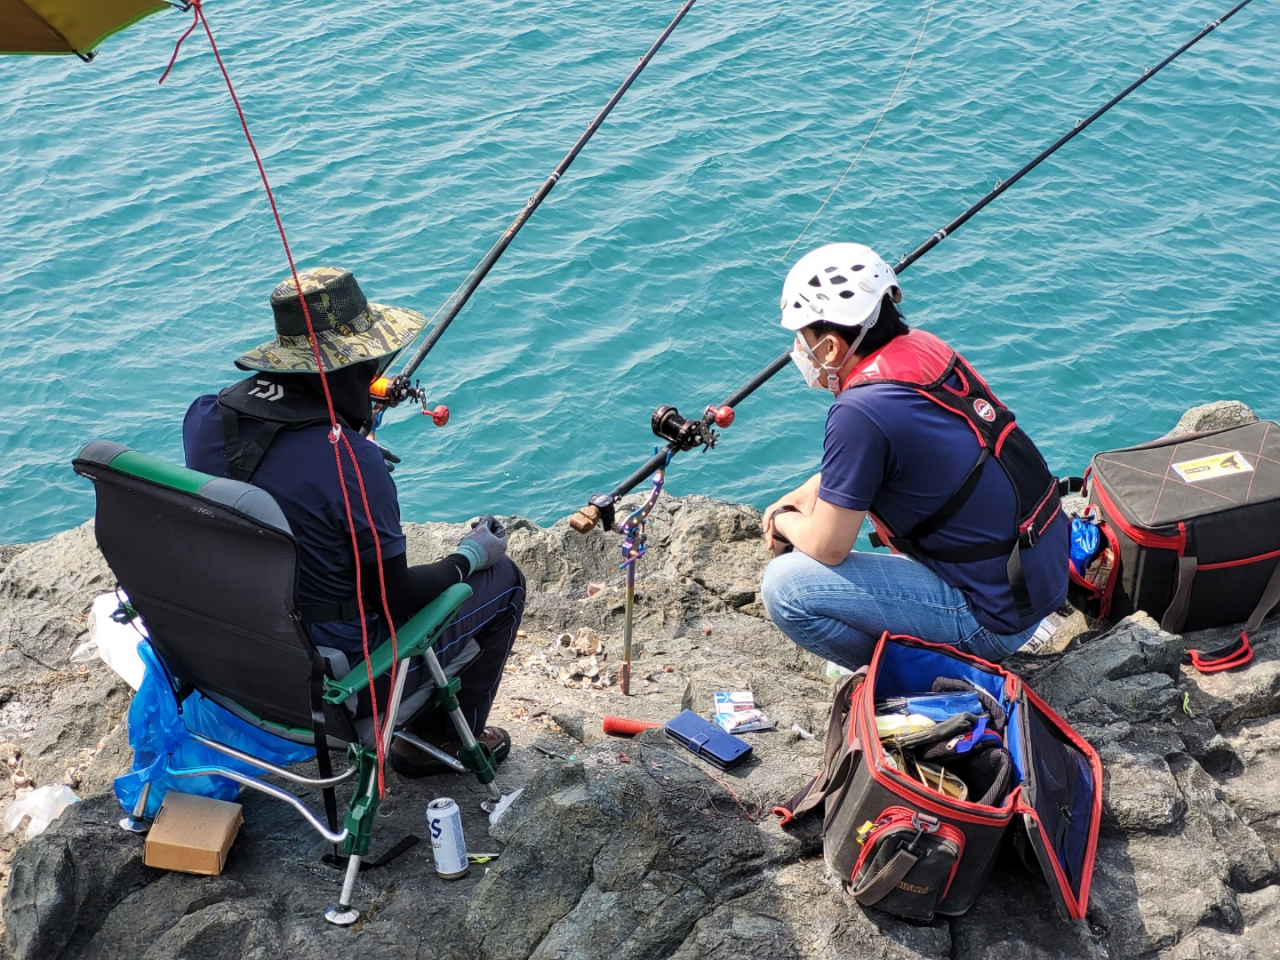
(841, 283)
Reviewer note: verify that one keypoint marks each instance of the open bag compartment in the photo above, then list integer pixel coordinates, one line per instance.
(1060, 800)
(1053, 796)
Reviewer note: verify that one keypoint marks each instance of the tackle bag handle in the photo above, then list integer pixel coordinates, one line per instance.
(1175, 615)
(886, 879)
(1239, 651)
(815, 791)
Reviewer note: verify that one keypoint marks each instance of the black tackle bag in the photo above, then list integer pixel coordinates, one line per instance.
(905, 847)
(1196, 522)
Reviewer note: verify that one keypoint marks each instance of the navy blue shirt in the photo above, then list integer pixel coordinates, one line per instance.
(300, 472)
(893, 451)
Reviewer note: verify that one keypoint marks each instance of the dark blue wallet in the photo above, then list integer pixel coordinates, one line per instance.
(707, 740)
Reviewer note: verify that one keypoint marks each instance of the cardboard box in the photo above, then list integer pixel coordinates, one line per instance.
(192, 834)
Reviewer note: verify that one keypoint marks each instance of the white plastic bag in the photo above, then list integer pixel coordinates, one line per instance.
(42, 805)
(115, 643)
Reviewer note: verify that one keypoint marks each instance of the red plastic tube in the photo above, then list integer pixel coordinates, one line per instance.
(622, 727)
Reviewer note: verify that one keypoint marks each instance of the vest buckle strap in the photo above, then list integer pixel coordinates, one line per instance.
(327, 612)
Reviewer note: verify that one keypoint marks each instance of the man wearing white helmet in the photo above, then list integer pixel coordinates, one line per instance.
(916, 440)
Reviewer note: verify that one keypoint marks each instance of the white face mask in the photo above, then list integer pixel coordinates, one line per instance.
(815, 374)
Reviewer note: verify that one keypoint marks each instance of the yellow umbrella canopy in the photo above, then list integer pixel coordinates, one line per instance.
(67, 26)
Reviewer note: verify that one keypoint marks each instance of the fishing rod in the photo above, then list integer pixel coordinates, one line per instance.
(686, 434)
(389, 391)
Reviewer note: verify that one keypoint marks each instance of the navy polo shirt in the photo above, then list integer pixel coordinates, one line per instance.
(300, 472)
(893, 451)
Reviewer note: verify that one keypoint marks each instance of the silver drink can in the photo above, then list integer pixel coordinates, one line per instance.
(444, 820)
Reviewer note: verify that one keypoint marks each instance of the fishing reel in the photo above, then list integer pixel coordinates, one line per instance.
(393, 391)
(684, 433)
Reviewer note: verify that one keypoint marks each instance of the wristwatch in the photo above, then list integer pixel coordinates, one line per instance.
(785, 508)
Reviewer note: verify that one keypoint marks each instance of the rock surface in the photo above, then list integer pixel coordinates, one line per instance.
(1218, 415)
(632, 848)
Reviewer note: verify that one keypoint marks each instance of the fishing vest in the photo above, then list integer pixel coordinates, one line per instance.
(280, 404)
(923, 363)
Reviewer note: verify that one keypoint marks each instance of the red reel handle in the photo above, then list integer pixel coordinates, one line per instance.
(724, 417)
(439, 415)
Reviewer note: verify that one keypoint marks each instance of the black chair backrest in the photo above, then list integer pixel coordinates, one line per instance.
(211, 565)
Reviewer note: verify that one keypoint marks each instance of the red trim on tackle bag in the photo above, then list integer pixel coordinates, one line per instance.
(1144, 538)
(905, 817)
(1077, 906)
(1238, 563)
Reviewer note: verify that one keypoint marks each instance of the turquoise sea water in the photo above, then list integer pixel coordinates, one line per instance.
(1133, 274)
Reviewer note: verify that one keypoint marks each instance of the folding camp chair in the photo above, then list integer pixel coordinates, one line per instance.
(211, 566)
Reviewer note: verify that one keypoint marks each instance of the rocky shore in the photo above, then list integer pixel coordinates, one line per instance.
(632, 849)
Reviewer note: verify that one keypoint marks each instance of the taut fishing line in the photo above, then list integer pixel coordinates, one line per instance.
(928, 13)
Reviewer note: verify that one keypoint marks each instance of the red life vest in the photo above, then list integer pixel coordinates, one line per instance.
(924, 363)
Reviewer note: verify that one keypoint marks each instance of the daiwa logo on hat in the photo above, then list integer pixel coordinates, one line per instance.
(984, 410)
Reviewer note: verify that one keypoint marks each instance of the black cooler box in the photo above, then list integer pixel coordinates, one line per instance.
(1197, 520)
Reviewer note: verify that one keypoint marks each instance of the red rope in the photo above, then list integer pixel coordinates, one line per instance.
(336, 433)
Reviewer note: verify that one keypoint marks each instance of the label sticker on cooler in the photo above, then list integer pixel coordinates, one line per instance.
(1212, 467)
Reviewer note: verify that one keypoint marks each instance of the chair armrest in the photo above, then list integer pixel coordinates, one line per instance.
(416, 636)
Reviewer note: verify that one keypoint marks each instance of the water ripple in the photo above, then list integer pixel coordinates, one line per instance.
(1134, 273)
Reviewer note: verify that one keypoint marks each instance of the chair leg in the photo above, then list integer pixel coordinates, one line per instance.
(393, 708)
(361, 813)
(137, 821)
(344, 915)
(473, 753)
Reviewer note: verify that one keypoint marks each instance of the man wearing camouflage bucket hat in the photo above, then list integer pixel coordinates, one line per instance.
(273, 429)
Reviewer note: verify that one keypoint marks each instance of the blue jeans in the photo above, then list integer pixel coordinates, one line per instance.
(839, 612)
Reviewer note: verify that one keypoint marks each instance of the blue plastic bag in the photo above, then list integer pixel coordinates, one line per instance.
(936, 706)
(1085, 543)
(159, 737)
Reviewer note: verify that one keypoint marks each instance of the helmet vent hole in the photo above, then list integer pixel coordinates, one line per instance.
(858, 266)
(815, 281)
(846, 294)
(839, 279)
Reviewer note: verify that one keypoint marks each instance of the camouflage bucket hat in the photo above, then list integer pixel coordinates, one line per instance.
(348, 327)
